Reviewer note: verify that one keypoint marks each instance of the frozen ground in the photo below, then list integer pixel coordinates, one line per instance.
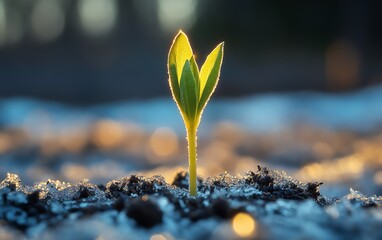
(334, 139)
(263, 204)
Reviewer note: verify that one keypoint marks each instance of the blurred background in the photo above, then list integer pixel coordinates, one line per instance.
(95, 51)
(84, 90)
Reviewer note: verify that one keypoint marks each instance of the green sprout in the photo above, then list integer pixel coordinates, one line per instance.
(191, 90)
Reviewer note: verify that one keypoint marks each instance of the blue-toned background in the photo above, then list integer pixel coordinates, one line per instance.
(84, 92)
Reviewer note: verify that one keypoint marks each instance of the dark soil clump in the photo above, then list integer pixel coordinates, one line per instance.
(145, 212)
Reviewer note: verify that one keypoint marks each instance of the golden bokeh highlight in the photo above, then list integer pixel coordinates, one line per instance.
(135, 139)
(378, 177)
(73, 141)
(5, 142)
(49, 145)
(363, 154)
(244, 164)
(76, 172)
(340, 169)
(108, 134)
(162, 236)
(158, 237)
(243, 225)
(163, 145)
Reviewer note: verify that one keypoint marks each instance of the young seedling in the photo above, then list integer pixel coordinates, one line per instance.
(191, 90)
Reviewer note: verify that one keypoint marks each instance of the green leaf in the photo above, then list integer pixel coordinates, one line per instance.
(174, 85)
(187, 92)
(180, 51)
(195, 72)
(209, 75)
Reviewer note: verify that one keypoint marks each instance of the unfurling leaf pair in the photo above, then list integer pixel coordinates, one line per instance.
(191, 88)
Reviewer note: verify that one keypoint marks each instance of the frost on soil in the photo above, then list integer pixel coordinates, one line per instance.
(141, 207)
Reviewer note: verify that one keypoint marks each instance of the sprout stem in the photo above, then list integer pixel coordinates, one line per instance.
(192, 144)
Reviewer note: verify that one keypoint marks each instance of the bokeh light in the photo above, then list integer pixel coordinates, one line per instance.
(76, 172)
(135, 139)
(12, 25)
(175, 14)
(244, 225)
(97, 17)
(335, 170)
(50, 145)
(3, 24)
(5, 142)
(47, 20)
(162, 145)
(163, 236)
(378, 177)
(73, 141)
(108, 134)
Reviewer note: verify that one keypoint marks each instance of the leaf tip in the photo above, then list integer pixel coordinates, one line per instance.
(221, 45)
(181, 33)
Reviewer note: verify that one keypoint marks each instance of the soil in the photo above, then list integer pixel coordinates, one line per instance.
(137, 207)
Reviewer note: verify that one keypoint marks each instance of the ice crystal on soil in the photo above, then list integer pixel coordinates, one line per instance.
(364, 201)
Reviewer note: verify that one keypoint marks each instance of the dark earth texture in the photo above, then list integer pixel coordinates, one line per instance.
(137, 207)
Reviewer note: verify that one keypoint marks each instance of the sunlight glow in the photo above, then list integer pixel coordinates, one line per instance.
(176, 14)
(97, 17)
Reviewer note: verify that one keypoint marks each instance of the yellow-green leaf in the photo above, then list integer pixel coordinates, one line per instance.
(180, 51)
(209, 75)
